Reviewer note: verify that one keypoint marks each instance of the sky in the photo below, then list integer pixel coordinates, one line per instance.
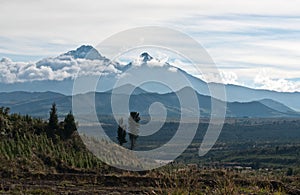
(254, 43)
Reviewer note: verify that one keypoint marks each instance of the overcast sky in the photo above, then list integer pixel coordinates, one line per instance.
(255, 43)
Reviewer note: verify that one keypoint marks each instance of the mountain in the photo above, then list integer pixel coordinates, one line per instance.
(85, 52)
(20, 97)
(57, 73)
(125, 89)
(277, 106)
(33, 103)
(235, 93)
(38, 104)
(146, 57)
(244, 94)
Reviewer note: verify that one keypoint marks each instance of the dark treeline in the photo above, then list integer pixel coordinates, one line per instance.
(30, 144)
(13, 124)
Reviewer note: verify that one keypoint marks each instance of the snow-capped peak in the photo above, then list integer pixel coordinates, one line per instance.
(145, 57)
(85, 52)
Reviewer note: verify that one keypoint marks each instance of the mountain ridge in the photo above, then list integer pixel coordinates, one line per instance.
(139, 102)
(88, 53)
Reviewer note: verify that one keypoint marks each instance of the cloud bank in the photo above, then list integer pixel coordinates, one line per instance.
(59, 68)
(71, 65)
(68, 67)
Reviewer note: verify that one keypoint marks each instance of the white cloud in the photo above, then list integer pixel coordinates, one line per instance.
(229, 77)
(58, 62)
(155, 63)
(7, 73)
(264, 80)
(59, 68)
(76, 22)
(66, 66)
(172, 69)
(63, 67)
(241, 36)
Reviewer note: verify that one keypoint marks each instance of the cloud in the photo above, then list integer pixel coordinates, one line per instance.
(57, 25)
(7, 72)
(57, 62)
(59, 68)
(242, 37)
(159, 60)
(245, 44)
(172, 69)
(223, 77)
(229, 77)
(264, 80)
(65, 67)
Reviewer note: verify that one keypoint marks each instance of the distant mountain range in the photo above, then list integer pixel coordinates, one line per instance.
(39, 103)
(34, 97)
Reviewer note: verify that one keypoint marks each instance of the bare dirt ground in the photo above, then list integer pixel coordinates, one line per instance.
(92, 183)
(79, 184)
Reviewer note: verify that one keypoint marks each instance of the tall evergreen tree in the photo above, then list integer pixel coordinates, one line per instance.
(69, 125)
(53, 122)
(133, 123)
(121, 132)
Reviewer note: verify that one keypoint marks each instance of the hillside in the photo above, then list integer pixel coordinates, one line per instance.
(36, 104)
(33, 162)
(90, 64)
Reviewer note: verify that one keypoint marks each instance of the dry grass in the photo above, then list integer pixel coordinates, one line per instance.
(221, 181)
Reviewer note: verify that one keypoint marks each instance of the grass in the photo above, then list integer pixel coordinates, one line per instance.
(36, 153)
(34, 163)
(219, 181)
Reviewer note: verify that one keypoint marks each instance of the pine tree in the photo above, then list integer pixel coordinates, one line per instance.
(53, 122)
(121, 133)
(133, 128)
(69, 125)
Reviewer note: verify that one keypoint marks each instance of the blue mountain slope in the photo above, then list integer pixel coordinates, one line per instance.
(277, 106)
(38, 104)
(234, 93)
